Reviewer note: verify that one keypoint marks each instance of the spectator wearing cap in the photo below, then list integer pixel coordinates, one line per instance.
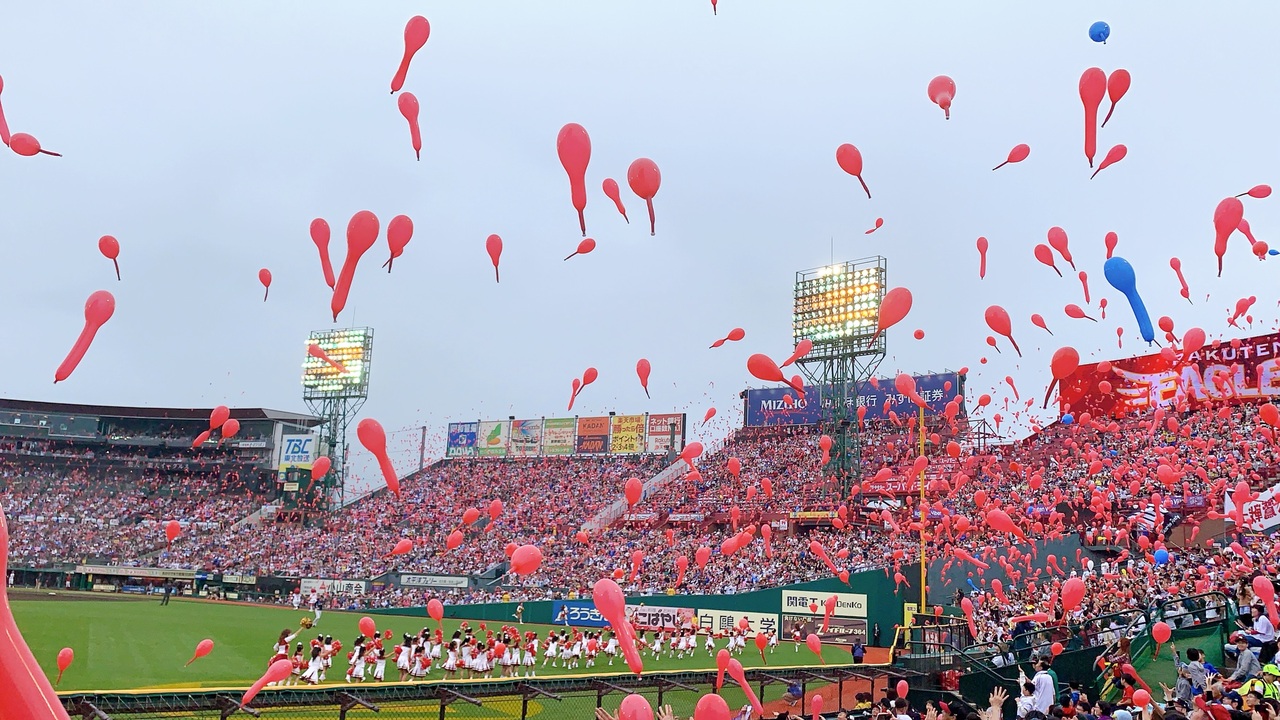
(1266, 686)
(1247, 665)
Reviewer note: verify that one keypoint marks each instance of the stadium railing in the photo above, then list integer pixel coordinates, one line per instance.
(551, 697)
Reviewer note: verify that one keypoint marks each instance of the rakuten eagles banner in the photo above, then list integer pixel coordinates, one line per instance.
(1248, 373)
(767, 406)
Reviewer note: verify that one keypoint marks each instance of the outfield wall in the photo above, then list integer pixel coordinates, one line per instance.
(869, 599)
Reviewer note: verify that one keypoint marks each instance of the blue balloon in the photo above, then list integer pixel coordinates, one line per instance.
(1099, 32)
(1068, 419)
(1121, 276)
(1273, 252)
(1162, 556)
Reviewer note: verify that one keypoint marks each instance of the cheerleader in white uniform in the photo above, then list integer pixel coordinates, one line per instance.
(552, 650)
(530, 657)
(480, 662)
(435, 648)
(418, 665)
(682, 646)
(404, 655)
(710, 644)
(773, 640)
(451, 663)
(315, 667)
(611, 647)
(510, 658)
(657, 645)
(327, 654)
(465, 661)
(380, 667)
(566, 651)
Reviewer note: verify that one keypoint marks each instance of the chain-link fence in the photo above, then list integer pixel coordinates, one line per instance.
(551, 698)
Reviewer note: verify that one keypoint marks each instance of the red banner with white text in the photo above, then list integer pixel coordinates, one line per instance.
(1247, 370)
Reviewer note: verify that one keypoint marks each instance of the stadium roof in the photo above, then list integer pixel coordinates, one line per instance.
(155, 413)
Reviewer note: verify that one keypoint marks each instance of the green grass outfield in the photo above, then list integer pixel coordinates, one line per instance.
(131, 644)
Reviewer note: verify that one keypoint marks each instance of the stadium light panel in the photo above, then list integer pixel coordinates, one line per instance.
(838, 305)
(353, 349)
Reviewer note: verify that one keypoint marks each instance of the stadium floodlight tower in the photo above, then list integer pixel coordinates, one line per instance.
(837, 308)
(336, 394)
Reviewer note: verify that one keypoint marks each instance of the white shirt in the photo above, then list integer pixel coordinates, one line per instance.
(1263, 629)
(1044, 693)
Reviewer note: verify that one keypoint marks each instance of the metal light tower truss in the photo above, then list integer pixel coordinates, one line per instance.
(837, 308)
(335, 391)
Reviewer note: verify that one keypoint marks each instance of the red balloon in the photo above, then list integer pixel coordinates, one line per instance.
(278, 671)
(902, 688)
(172, 530)
(320, 236)
(368, 627)
(632, 490)
(1141, 698)
(229, 429)
(204, 647)
(982, 257)
(610, 187)
(1058, 241)
(399, 233)
(850, 160)
(634, 707)
(65, 656)
(219, 417)
(642, 371)
(374, 439)
(408, 105)
(27, 146)
(584, 247)
(1093, 85)
(362, 233)
(1016, 155)
(454, 540)
(98, 309)
(1161, 632)
(1257, 191)
(1114, 155)
(1117, 86)
(495, 509)
(1072, 593)
(493, 246)
(893, 308)
(403, 546)
(25, 692)
(1038, 321)
(264, 277)
(4, 126)
(711, 707)
(942, 90)
(1075, 311)
(998, 320)
(1269, 415)
(435, 610)
(320, 467)
(701, 556)
(526, 559)
(573, 145)
(110, 249)
(470, 515)
(644, 178)
(814, 643)
(416, 32)
(1226, 219)
(1110, 241)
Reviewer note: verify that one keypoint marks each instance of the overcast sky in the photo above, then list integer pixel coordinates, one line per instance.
(206, 137)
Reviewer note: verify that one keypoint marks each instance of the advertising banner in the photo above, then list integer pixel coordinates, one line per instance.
(491, 440)
(579, 613)
(331, 586)
(1261, 515)
(593, 435)
(297, 451)
(847, 604)
(658, 432)
(240, 579)
(839, 630)
(1248, 373)
(526, 437)
(558, 435)
(649, 617)
(626, 435)
(434, 581)
(891, 486)
(719, 621)
(767, 407)
(462, 439)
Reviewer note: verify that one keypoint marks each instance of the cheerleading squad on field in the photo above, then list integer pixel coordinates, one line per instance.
(507, 653)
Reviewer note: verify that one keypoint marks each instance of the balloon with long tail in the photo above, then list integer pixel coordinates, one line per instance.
(1019, 153)
(573, 145)
(320, 236)
(416, 32)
